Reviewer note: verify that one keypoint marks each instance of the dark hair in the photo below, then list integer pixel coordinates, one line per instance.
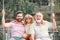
(19, 12)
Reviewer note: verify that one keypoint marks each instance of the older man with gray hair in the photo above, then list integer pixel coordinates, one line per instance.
(39, 29)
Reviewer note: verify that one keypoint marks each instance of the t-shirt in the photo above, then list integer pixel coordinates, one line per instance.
(27, 28)
(40, 31)
(17, 29)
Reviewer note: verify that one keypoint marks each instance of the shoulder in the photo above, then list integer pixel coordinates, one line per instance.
(13, 21)
(47, 21)
(33, 25)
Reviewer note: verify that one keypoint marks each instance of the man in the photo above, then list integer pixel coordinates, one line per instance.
(39, 29)
(16, 27)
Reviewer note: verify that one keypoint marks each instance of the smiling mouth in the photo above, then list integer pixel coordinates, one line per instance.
(38, 19)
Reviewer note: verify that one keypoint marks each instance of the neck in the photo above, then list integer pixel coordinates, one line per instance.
(42, 22)
(28, 23)
(19, 21)
(38, 23)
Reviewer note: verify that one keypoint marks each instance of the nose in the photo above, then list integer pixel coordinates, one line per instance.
(38, 16)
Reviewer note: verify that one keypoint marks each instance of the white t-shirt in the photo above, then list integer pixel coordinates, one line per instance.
(40, 31)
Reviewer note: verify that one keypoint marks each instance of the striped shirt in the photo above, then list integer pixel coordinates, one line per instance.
(17, 29)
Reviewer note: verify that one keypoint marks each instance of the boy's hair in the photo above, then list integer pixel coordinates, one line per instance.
(19, 12)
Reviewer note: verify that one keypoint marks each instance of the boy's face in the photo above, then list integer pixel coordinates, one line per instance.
(19, 17)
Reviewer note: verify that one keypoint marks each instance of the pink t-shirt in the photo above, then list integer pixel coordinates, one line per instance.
(17, 29)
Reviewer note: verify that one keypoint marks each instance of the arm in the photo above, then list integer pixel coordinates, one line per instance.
(54, 22)
(3, 20)
(32, 37)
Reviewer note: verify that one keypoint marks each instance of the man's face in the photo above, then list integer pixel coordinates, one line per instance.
(19, 17)
(38, 17)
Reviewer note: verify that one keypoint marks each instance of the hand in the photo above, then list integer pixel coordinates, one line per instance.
(3, 12)
(25, 35)
(52, 16)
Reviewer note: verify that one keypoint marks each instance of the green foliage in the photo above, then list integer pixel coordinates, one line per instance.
(12, 6)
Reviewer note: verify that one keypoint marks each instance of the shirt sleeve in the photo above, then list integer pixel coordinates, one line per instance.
(32, 29)
(50, 25)
(10, 24)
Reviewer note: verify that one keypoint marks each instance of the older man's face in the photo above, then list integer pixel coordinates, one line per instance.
(38, 17)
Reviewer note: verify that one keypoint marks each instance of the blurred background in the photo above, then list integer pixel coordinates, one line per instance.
(29, 7)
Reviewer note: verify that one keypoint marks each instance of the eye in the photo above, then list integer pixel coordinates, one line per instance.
(28, 18)
(38, 15)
